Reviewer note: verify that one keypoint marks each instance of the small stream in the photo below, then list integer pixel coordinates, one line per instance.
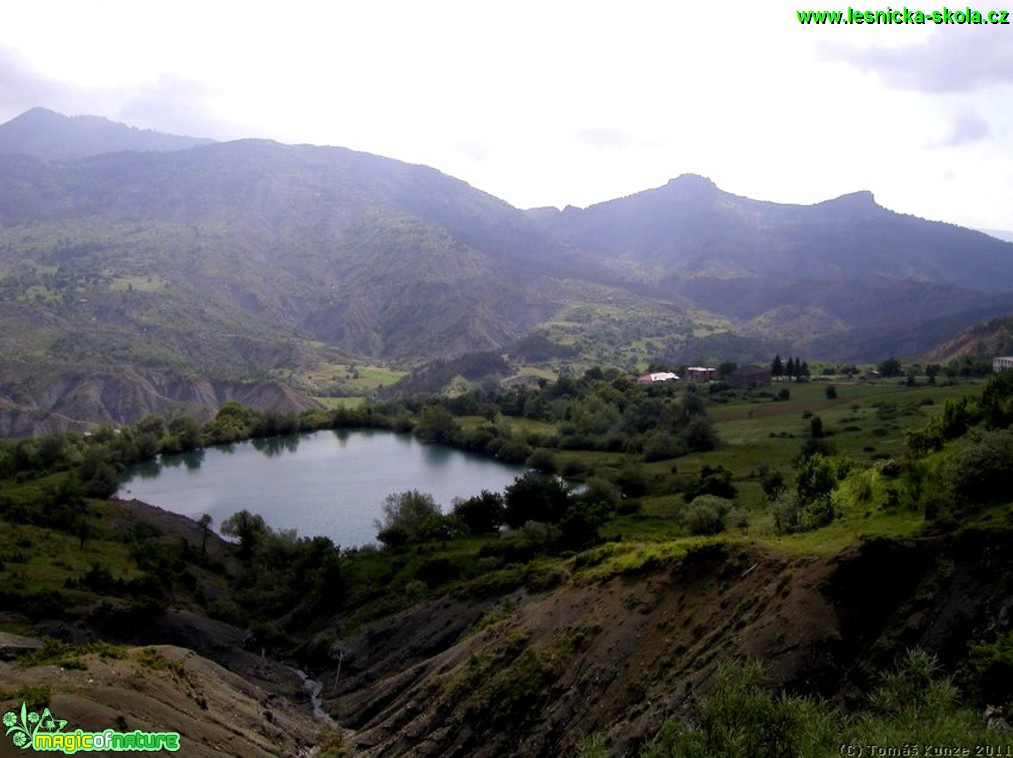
(313, 689)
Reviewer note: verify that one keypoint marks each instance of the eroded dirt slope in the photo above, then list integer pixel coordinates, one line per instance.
(535, 673)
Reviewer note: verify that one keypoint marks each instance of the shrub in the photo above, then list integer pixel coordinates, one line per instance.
(979, 474)
(993, 663)
(706, 514)
(405, 517)
(543, 461)
(481, 514)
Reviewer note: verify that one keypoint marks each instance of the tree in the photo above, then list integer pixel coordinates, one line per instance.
(997, 401)
(542, 460)
(716, 480)
(406, 516)
(777, 367)
(481, 514)
(248, 528)
(535, 497)
(699, 434)
(706, 514)
(815, 481)
(204, 522)
(187, 433)
(773, 484)
(890, 367)
(979, 474)
(436, 424)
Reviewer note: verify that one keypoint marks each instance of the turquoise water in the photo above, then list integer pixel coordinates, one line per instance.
(328, 483)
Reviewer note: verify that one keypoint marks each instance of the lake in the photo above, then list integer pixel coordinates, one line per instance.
(329, 483)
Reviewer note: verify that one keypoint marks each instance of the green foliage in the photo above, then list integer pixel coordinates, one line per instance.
(773, 484)
(407, 517)
(535, 497)
(436, 424)
(927, 439)
(706, 514)
(482, 513)
(543, 461)
(996, 404)
(993, 664)
(913, 705)
(742, 718)
(979, 474)
(890, 367)
(712, 480)
(248, 528)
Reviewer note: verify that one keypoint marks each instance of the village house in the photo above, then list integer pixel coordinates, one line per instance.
(659, 376)
(701, 374)
(1002, 363)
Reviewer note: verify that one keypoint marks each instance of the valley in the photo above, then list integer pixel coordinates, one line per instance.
(684, 567)
(273, 271)
(551, 637)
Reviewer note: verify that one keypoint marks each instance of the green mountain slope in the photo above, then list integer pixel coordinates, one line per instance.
(149, 263)
(743, 257)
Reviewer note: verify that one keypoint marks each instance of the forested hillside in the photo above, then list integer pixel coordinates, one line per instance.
(143, 274)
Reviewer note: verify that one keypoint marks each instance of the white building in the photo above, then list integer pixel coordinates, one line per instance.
(1003, 363)
(660, 376)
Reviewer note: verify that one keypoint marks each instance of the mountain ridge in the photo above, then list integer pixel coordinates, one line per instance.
(47, 135)
(253, 261)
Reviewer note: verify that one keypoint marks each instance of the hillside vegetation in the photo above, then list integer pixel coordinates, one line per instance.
(823, 532)
(144, 273)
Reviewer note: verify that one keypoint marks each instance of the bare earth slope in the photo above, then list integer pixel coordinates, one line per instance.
(534, 673)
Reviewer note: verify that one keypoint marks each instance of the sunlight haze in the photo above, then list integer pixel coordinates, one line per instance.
(554, 104)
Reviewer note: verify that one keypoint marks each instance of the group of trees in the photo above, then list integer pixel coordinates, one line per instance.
(795, 368)
(571, 515)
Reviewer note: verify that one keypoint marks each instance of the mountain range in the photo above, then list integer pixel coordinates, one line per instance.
(142, 272)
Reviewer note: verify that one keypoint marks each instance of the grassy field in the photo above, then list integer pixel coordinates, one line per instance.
(865, 422)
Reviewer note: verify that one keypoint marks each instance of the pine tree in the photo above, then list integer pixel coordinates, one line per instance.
(777, 367)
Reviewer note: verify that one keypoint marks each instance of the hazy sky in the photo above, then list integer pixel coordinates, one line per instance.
(554, 102)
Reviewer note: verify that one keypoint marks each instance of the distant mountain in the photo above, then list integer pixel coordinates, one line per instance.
(43, 134)
(248, 261)
(156, 279)
(999, 234)
(846, 263)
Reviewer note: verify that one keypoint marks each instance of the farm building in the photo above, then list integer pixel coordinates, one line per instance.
(660, 376)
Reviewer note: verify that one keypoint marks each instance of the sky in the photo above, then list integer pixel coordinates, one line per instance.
(555, 102)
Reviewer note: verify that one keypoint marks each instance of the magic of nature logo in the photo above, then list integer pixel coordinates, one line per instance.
(44, 732)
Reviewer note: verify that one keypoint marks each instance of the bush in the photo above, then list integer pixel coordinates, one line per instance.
(741, 718)
(543, 461)
(660, 446)
(535, 497)
(406, 516)
(993, 663)
(716, 480)
(481, 514)
(706, 514)
(979, 474)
